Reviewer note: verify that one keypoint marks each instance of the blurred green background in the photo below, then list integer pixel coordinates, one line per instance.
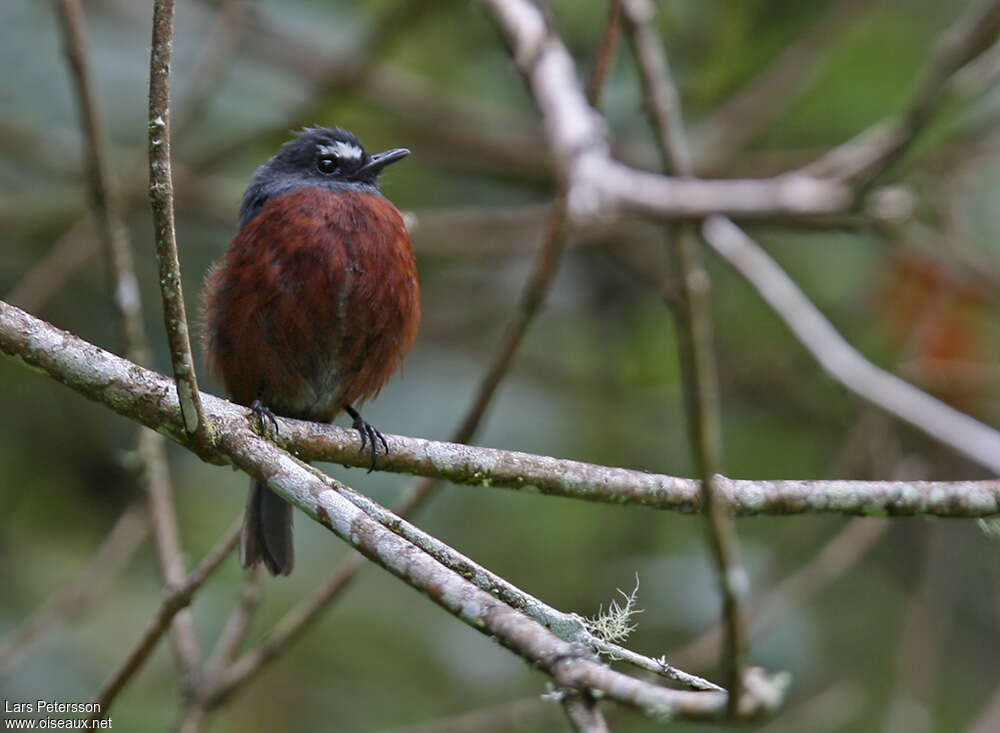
(902, 638)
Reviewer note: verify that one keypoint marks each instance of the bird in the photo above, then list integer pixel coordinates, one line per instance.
(313, 306)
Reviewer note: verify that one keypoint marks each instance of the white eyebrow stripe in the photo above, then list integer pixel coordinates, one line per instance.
(340, 149)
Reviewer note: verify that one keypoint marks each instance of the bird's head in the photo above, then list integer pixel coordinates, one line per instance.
(318, 157)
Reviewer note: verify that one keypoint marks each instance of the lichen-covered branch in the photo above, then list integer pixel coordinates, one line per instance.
(103, 376)
(149, 398)
(323, 498)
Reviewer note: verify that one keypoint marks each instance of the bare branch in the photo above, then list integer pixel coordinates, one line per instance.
(125, 294)
(103, 193)
(569, 627)
(841, 553)
(697, 352)
(149, 398)
(333, 505)
(597, 185)
(841, 361)
(236, 627)
(216, 54)
(103, 375)
(566, 626)
(605, 53)
(746, 114)
(177, 598)
(161, 196)
(583, 713)
(59, 264)
(865, 156)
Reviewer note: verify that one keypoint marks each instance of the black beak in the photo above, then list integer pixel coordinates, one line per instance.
(380, 160)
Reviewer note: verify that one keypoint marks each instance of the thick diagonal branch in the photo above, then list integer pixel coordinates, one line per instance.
(596, 184)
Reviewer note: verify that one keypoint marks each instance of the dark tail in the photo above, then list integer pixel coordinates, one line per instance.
(267, 531)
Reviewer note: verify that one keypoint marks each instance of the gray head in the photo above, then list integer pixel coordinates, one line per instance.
(318, 157)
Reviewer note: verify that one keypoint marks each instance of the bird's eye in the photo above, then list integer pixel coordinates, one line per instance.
(326, 165)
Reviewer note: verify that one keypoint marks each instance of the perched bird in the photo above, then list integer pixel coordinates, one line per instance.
(313, 306)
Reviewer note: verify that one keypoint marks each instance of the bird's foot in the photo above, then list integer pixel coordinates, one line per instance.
(368, 434)
(268, 422)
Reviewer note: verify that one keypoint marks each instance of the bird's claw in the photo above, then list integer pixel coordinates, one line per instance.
(267, 419)
(369, 434)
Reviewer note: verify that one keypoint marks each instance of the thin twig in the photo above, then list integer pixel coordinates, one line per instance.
(102, 189)
(230, 639)
(838, 555)
(596, 184)
(74, 248)
(236, 627)
(605, 53)
(566, 626)
(177, 597)
(161, 196)
(222, 43)
(748, 112)
(842, 361)
(583, 714)
(694, 342)
(867, 155)
(151, 449)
